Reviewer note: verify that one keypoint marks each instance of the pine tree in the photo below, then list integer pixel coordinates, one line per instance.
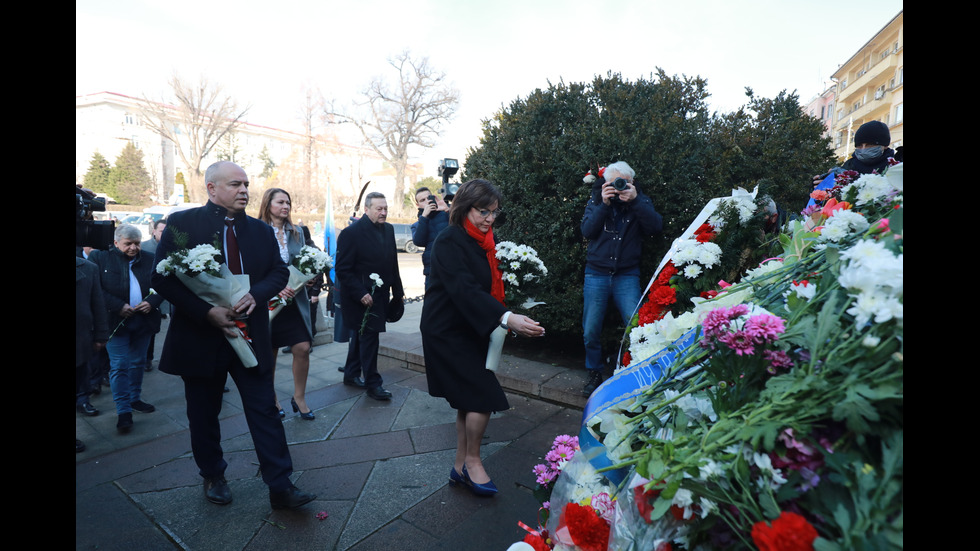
(130, 178)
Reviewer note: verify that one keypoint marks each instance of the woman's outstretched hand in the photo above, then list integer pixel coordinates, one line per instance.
(524, 326)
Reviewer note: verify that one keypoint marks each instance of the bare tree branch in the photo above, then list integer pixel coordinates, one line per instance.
(408, 113)
(195, 123)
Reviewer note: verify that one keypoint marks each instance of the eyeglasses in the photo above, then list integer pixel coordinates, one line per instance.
(486, 213)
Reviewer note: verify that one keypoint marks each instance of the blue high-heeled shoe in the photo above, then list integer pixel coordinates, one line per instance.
(455, 478)
(308, 415)
(485, 489)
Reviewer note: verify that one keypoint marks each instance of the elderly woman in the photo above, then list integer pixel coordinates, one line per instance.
(292, 327)
(134, 318)
(463, 304)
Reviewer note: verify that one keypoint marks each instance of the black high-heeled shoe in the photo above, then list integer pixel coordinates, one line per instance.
(485, 489)
(308, 415)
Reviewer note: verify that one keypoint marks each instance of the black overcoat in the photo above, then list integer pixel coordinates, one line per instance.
(192, 343)
(364, 249)
(458, 315)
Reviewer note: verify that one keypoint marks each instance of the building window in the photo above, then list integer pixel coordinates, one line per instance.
(129, 118)
(898, 113)
(135, 141)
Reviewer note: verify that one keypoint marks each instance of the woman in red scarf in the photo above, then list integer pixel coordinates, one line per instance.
(463, 305)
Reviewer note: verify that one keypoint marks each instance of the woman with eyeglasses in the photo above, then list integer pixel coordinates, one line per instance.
(463, 305)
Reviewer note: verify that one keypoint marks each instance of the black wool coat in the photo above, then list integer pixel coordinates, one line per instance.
(364, 249)
(458, 315)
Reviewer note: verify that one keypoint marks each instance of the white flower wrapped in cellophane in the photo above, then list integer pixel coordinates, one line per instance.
(520, 268)
(201, 270)
(308, 264)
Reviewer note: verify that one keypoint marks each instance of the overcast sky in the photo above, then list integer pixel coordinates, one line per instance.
(264, 53)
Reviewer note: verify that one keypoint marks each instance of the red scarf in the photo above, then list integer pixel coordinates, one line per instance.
(485, 240)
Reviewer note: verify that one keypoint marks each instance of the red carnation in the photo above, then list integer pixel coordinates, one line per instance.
(627, 359)
(587, 529)
(668, 272)
(789, 532)
(664, 296)
(705, 233)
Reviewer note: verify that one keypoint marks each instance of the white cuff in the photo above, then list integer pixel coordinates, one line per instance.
(503, 320)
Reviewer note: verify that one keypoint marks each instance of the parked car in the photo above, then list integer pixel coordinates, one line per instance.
(403, 238)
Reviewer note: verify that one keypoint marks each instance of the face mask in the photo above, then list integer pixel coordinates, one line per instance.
(869, 153)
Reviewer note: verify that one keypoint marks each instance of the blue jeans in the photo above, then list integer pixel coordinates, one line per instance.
(127, 356)
(624, 290)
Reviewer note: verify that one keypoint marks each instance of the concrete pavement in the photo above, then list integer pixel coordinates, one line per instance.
(380, 469)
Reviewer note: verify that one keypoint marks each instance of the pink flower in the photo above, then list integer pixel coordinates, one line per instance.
(741, 342)
(566, 440)
(544, 474)
(777, 359)
(560, 454)
(764, 328)
(322, 515)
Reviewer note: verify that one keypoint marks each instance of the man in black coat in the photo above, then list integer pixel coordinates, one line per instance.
(364, 249)
(91, 331)
(196, 347)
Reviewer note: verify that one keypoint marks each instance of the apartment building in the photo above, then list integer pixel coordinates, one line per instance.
(106, 121)
(869, 88)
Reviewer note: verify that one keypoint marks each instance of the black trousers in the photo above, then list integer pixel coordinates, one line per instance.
(204, 397)
(362, 358)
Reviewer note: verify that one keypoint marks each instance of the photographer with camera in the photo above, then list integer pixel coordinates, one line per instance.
(433, 218)
(617, 217)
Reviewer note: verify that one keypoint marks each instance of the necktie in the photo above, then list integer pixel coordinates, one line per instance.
(233, 257)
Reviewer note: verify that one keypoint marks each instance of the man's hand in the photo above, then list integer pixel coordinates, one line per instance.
(608, 192)
(244, 306)
(428, 209)
(224, 319)
(287, 293)
(126, 311)
(143, 307)
(367, 300)
(628, 194)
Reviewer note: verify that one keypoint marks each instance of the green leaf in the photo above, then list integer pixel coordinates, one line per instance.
(769, 506)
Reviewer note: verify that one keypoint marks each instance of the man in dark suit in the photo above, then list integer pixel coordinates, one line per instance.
(367, 248)
(196, 347)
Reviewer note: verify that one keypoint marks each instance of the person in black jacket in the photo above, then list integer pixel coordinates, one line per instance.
(463, 305)
(871, 151)
(365, 249)
(133, 317)
(197, 349)
(617, 217)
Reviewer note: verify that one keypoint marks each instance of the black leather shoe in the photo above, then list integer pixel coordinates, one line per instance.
(79, 446)
(340, 369)
(356, 381)
(595, 379)
(86, 409)
(216, 490)
(289, 499)
(379, 393)
(142, 407)
(125, 423)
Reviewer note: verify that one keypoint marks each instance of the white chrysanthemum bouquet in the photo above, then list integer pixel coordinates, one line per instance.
(308, 264)
(202, 270)
(521, 268)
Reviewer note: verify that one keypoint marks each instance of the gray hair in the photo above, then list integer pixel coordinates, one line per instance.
(128, 231)
(621, 168)
(372, 196)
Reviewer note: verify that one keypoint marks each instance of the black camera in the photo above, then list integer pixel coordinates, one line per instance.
(98, 234)
(432, 200)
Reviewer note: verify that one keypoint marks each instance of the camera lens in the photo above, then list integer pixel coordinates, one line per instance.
(620, 184)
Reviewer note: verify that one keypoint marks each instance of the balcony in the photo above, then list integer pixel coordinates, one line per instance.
(874, 77)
